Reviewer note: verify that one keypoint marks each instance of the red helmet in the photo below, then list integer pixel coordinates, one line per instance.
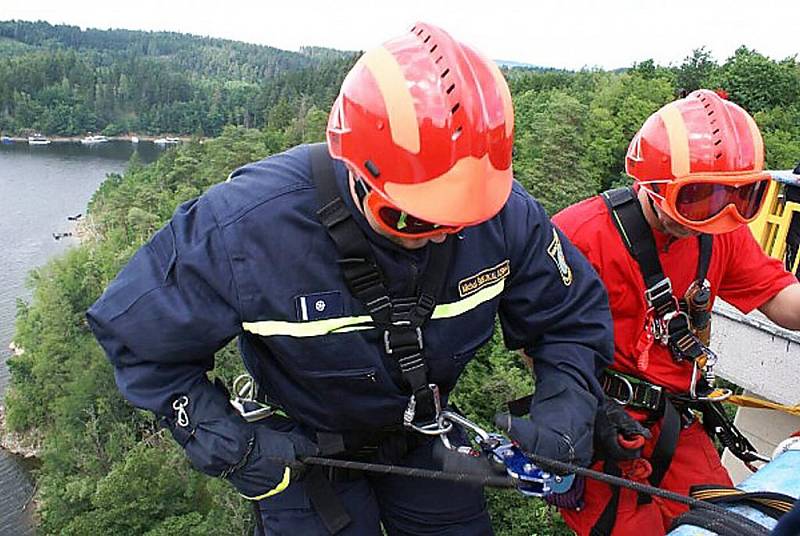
(701, 158)
(428, 123)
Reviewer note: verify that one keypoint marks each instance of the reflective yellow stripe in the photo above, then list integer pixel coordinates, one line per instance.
(678, 139)
(282, 485)
(268, 328)
(347, 324)
(449, 310)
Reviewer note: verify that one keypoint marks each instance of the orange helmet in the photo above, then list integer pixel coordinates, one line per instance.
(428, 123)
(701, 158)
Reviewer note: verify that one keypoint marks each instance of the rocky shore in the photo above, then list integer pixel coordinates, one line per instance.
(26, 445)
(23, 445)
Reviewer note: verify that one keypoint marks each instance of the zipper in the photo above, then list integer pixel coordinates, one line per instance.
(349, 374)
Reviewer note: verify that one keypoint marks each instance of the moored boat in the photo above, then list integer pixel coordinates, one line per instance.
(92, 140)
(167, 141)
(38, 139)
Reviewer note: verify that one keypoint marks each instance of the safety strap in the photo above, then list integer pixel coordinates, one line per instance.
(628, 217)
(401, 318)
(325, 501)
(721, 524)
(605, 523)
(664, 450)
(717, 423)
(769, 503)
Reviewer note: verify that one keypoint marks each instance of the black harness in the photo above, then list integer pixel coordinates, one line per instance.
(671, 325)
(401, 318)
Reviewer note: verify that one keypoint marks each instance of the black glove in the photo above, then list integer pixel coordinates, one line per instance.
(561, 420)
(617, 435)
(219, 442)
(270, 462)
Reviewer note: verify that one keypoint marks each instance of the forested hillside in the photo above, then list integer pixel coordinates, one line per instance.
(106, 468)
(65, 81)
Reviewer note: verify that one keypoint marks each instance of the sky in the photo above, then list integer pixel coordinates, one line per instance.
(568, 34)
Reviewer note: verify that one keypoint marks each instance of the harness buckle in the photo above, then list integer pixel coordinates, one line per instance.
(387, 342)
(659, 290)
(627, 383)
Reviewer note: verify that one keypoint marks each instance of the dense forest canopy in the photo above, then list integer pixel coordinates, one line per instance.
(106, 468)
(62, 80)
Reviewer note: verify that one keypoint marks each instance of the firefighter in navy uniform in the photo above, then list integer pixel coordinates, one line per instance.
(359, 288)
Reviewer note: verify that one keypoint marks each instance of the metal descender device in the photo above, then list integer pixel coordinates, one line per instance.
(505, 456)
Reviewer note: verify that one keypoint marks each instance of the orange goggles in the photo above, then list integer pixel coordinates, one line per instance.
(700, 200)
(402, 224)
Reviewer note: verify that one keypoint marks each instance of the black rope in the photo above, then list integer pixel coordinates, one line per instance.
(493, 481)
(747, 525)
(568, 468)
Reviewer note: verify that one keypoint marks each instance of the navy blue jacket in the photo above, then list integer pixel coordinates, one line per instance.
(249, 258)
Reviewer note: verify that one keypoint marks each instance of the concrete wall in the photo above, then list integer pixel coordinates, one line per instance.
(764, 359)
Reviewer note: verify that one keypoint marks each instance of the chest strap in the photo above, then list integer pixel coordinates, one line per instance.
(401, 318)
(671, 324)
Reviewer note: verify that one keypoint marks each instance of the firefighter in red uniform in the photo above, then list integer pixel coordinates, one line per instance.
(665, 249)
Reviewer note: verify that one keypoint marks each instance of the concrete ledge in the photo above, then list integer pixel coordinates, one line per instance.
(756, 354)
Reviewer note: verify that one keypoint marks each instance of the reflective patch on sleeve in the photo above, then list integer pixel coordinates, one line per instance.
(556, 253)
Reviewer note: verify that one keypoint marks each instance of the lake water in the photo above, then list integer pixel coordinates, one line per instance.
(40, 186)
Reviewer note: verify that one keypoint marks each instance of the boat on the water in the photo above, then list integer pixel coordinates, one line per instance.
(5, 140)
(38, 139)
(92, 140)
(134, 139)
(167, 141)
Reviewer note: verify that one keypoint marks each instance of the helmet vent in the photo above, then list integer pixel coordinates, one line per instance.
(457, 134)
(445, 73)
(434, 48)
(438, 59)
(372, 168)
(451, 88)
(455, 108)
(427, 39)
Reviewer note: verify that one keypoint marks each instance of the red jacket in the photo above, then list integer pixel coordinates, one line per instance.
(740, 273)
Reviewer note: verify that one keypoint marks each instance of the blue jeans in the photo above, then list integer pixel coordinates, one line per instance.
(405, 506)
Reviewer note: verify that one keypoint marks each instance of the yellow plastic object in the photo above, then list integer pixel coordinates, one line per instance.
(772, 224)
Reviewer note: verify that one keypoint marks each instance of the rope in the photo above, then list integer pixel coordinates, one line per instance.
(751, 402)
(748, 526)
(492, 481)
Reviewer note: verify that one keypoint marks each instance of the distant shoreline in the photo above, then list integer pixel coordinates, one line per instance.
(77, 139)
